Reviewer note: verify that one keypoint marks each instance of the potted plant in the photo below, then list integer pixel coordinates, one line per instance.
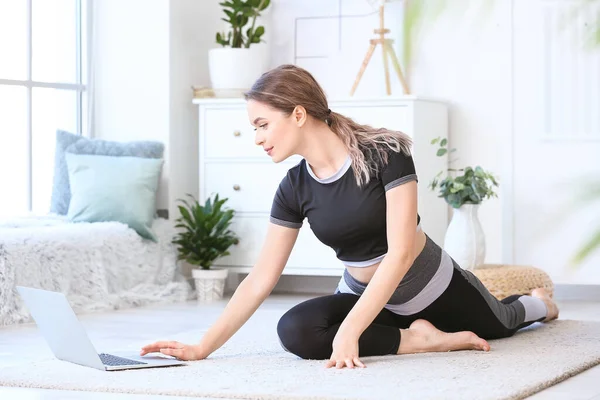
(242, 58)
(204, 236)
(464, 189)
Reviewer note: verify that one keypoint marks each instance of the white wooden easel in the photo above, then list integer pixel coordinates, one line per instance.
(387, 50)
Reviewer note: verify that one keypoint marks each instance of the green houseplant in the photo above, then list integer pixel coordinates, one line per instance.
(203, 237)
(242, 57)
(239, 14)
(473, 186)
(464, 189)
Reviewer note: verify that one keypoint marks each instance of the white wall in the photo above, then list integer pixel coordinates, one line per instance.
(311, 34)
(147, 65)
(468, 63)
(132, 74)
(556, 139)
(145, 68)
(192, 27)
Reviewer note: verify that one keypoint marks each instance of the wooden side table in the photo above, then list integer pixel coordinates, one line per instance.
(503, 280)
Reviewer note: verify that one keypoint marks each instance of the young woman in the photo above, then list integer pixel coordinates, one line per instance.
(357, 186)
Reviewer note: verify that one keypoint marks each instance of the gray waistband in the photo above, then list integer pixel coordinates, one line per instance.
(430, 293)
(424, 282)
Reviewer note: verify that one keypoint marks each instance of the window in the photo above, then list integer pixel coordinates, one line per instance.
(43, 75)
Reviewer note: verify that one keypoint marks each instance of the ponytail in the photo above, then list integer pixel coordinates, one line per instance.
(368, 146)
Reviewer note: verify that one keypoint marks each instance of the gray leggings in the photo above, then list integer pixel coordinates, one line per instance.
(464, 304)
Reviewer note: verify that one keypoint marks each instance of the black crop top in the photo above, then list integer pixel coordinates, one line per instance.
(349, 219)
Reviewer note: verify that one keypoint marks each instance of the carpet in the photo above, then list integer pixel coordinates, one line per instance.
(253, 366)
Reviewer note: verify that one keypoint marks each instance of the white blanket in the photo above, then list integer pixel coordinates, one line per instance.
(98, 266)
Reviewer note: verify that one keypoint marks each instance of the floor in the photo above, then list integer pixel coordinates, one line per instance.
(130, 329)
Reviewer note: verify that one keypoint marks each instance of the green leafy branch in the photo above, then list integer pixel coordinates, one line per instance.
(473, 186)
(239, 13)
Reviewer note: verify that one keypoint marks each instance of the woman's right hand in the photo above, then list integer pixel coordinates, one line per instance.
(246, 299)
(178, 350)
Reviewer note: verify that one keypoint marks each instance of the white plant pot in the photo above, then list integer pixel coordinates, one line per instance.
(210, 283)
(237, 69)
(465, 240)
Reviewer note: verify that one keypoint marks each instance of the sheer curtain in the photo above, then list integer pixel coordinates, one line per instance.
(91, 50)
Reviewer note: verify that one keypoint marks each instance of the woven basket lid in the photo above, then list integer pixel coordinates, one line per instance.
(503, 280)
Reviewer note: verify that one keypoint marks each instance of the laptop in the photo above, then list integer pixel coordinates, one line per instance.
(68, 340)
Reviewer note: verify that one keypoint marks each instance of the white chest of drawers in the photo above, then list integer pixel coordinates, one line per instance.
(234, 167)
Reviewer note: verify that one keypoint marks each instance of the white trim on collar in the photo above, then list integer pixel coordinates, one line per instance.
(334, 177)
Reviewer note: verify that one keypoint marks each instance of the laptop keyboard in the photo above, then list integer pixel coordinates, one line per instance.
(109, 359)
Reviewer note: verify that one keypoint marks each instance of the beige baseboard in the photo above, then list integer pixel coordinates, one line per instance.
(568, 292)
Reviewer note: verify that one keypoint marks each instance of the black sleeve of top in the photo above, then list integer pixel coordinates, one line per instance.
(285, 210)
(399, 169)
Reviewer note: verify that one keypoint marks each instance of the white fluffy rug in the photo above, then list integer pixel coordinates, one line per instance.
(99, 266)
(253, 366)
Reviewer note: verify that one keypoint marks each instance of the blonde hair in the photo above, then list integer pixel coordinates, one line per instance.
(287, 86)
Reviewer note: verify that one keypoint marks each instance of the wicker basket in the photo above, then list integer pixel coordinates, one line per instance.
(504, 280)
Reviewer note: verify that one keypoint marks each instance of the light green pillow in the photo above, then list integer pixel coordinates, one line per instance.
(108, 188)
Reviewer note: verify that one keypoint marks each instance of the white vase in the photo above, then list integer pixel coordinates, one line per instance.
(210, 283)
(236, 69)
(465, 240)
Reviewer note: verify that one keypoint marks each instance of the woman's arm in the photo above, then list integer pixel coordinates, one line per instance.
(401, 231)
(253, 290)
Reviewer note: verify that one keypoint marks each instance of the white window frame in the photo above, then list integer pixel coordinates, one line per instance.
(79, 87)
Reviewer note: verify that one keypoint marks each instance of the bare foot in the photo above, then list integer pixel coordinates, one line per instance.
(543, 295)
(423, 337)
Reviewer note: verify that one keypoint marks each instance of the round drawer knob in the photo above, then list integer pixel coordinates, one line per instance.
(237, 133)
(236, 187)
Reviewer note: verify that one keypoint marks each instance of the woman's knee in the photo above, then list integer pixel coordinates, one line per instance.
(299, 335)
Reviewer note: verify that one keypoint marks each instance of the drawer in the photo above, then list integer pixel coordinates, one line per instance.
(390, 117)
(308, 252)
(229, 134)
(249, 187)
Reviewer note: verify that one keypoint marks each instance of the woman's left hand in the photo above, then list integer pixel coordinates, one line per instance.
(345, 352)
